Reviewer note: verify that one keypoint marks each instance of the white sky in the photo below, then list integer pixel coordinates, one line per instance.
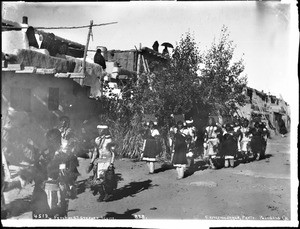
(265, 32)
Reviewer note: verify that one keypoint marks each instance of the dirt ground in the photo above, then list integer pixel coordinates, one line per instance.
(258, 190)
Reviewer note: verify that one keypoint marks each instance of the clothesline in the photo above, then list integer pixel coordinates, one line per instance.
(66, 27)
(76, 27)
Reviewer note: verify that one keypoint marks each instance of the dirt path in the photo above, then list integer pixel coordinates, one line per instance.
(256, 190)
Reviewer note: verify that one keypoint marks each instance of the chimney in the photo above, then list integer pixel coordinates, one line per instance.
(25, 20)
(24, 23)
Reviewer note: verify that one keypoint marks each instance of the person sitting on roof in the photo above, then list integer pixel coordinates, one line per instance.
(99, 59)
(165, 51)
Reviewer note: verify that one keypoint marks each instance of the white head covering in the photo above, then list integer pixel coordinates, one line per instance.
(189, 121)
(102, 127)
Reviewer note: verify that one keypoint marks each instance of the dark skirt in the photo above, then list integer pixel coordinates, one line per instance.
(110, 180)
(180, 151)
(229, 146)
(151, 149)
(282, 129)
(179, 158)
(256, 144)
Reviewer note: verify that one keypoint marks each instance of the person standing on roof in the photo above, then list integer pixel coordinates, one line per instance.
(99, 59)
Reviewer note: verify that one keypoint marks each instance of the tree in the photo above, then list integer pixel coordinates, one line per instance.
(175, 86)
(221, 81)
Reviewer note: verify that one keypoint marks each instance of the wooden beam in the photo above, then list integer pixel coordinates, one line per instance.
(87, 46)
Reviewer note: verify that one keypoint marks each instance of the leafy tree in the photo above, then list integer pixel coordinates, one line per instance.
(174, 86)
(221, 81)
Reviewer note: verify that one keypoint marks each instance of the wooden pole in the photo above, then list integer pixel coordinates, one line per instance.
(144, 64)
(138, 68)
(87, 46)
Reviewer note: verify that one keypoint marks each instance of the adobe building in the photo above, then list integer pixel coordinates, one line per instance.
(39, 88)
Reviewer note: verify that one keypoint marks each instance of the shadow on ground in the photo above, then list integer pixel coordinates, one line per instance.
(126, 215)
(164, 167)
(19, 206)
(197, 166)
(84, 184)
(81, 186)
(131, 189)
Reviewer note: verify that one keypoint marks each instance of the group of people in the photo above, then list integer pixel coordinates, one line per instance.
(54, 170)
(222, 145)
(181, 141)
(62, 161)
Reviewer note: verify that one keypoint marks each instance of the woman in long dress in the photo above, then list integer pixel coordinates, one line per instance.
(150, 147)
(180, 150)
(256, 142)
(229, 145)
(282, 128)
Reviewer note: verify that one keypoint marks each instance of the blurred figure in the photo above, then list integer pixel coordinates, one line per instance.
(18, 182)
(66, 131)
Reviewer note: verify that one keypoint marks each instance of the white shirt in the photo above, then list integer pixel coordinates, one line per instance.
(154, 132)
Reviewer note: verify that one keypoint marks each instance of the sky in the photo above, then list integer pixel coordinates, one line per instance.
(265, 33)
